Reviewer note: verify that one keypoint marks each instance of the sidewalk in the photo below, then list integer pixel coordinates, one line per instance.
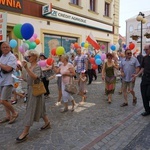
(96, 125)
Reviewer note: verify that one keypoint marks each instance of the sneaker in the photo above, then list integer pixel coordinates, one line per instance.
(24, 99)
(58, 104)
(13, 102)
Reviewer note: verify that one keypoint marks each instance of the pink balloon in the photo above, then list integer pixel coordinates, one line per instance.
(103, 56)
(34, 35)
(21, 49)
(32, 39)
(103, 47)
(42, 63)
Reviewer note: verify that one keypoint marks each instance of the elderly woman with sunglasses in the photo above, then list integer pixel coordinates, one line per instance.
(35, 104)
(109, 77)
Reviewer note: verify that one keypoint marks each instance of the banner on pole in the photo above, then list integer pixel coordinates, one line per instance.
(3, 26)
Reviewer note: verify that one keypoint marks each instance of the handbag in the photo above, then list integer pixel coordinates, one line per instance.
(117, 72)
(48, 73)
(71, 87)
(38, 88)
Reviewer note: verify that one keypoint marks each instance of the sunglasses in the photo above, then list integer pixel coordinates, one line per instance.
(129, 53)
(109, 57)
(145, 49)
(28, 56)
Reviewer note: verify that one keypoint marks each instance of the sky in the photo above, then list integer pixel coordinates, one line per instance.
(130, 8)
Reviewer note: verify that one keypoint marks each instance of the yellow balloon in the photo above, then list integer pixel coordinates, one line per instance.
(60, 50)
(86, 45)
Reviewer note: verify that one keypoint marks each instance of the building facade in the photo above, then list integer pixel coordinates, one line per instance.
(68, 22)
(133, 32)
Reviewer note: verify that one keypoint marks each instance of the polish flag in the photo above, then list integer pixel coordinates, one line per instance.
(92, 41)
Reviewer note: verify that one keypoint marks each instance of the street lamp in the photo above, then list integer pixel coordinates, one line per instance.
(142, 19)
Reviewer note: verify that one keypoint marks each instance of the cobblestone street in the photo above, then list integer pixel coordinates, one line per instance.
(96, 125)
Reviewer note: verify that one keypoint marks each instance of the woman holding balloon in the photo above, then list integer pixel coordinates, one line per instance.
(109, 77)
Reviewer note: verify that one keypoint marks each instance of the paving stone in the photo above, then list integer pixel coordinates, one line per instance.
(97, 124)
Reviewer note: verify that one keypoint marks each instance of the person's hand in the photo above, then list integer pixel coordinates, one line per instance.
(134, 76)
(24, 64)
(122, 74)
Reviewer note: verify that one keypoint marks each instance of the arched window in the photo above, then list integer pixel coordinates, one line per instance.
(131, 28)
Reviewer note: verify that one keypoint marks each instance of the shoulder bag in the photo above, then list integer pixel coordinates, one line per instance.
(38, 87)
(71, 87)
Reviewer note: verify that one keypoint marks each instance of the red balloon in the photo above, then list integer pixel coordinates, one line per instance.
(49, 61)
(53, 51)
(94, 66)
(131, 46)
(76, 45)
(92, 60)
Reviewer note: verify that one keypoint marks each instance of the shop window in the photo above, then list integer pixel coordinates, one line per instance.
(92, 5)
(76, 2)
(53, 41)
(107, 9)
(103, 44)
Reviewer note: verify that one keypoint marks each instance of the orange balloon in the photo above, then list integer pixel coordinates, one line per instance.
(76, 45)
(37, 41)
(16, 84)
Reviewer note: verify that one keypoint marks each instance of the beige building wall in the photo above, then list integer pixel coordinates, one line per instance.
(48, 25)
(83, 10)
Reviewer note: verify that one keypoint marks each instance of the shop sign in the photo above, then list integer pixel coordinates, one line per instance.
(60, 15)
(47, 9)
(12, 5)
(3, 26)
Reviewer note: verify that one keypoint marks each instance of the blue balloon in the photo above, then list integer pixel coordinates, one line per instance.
(98, 61)
(97, 57)
(27, 31)
(113, 47)
(82, 44)
(13, 43)
(124, 46)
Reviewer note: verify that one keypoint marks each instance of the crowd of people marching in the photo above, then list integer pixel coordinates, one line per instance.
(76, 67)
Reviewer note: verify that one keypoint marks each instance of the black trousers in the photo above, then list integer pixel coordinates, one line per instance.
(46, 84)
(89, 72)
(145, 92)
(94, 74)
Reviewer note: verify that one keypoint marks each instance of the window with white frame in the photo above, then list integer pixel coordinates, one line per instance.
(92, 5)
(107, 9)
(76, 2)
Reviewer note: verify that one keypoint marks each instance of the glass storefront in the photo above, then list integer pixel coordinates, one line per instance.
(53, 41)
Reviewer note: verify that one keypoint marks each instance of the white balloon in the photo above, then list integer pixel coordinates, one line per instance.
(25, 46)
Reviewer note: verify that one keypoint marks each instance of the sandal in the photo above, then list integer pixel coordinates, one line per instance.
(124, 104)
(119, 92)
(134, 101)
(18, 140)
(65, 110)
(47, 126)
(4, 120)
(13, 119)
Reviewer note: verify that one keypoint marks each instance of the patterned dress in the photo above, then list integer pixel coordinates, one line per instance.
(35, 104)
(110, 79)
